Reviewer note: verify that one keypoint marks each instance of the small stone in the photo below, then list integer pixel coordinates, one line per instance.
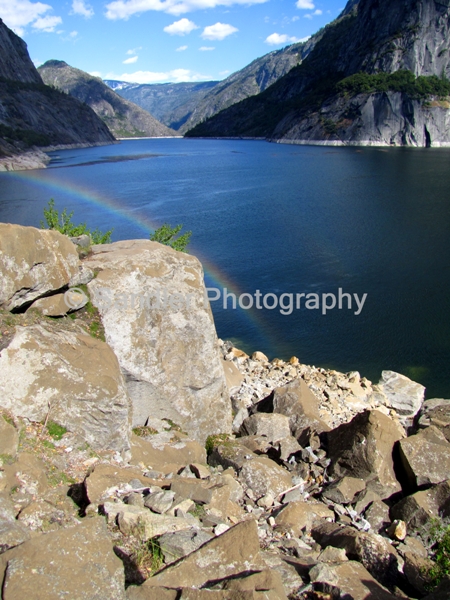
(271, 521)
(260, 357)
(266, 501)
(397, 530)
(160, 502)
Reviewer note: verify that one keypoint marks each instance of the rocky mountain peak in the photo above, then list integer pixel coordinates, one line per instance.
(15, 63)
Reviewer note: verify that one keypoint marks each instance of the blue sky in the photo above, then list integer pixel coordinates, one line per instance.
(156, 41)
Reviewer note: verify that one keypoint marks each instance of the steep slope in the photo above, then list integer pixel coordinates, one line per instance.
(170, 103)
(123, 118)
(15, 63)
(31, 113)
(372, 36)
(253, 79)
(184, 105)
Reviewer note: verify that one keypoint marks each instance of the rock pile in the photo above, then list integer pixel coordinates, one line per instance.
(320, 486)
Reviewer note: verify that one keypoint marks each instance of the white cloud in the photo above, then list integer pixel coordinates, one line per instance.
(206, 48)
(296, 18)
(79, 7)
(130, 61)
(224, 72)
(46, 23)
(124, 9)
(181, 27)
(276, 39)
(181, 48)
(314, 14)
(73, 34)
(133, 51)
(305, 5)
(219, 31)
(18, 14)
(175, 76)
(95, 73)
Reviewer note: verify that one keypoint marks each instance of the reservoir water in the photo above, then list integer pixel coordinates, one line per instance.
(283, 220)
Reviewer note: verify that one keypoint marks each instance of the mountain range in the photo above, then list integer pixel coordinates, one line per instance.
(123, 118)
(378, 75)
(33, 114)
(184, 105)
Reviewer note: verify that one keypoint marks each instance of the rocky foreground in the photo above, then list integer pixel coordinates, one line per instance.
(143, 458)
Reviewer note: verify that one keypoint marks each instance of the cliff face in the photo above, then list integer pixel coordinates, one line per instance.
(33, 114)
(14, 60)
(371, 36)
(123, 118)
(248, 82)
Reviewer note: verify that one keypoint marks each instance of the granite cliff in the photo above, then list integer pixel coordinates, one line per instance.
(33, 114)
(122, 117)
(372, 37)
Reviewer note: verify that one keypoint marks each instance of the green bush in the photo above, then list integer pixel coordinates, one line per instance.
(63, 223)
(167, 235)
(400, 81)
(440, 553)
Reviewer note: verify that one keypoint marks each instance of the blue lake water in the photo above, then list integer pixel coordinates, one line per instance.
(284, 220)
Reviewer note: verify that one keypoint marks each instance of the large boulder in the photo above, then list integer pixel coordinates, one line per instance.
(363, 448)
(235, 552)
(400, 393)
(347, 580)
(33, 262)
(436, 412)
(151, 300)
(60, 372)
(425, 458)
(77, 562)
(296, 401)
(375, 553)
(421, 508)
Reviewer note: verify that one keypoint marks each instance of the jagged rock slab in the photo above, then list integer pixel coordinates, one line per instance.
(344, 490)
(233, 553)
(298, 516)
(273, 426)
(425, 458)
(420, 508)
(33, 262)
(436, 412)
(71, 377)
(296, 401)
(363, 448)
(167, 451)
(349, 580)
(170, 352)
(150, 524)
(105, 479)
(77, 562)
(181, 543)
(375, 553)
(403, 395)
(263, 476)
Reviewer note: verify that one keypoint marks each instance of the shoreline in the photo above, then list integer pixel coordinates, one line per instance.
(37, 158)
